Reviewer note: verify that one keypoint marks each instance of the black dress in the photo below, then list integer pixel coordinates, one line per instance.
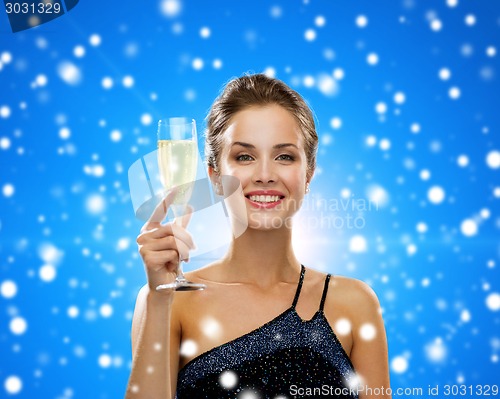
(285, 358)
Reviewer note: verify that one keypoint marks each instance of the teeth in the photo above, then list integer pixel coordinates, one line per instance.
(264, 198)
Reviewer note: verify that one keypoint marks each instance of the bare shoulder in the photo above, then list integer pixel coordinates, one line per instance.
(192, 303)
(354, 289)
(353, 296)
(368, 350)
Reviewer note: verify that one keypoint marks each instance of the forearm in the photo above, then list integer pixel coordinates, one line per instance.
(150, 375)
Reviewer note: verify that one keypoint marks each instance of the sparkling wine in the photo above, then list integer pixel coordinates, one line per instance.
(177, 161)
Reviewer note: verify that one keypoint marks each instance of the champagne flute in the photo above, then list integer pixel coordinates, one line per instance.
(177, 162)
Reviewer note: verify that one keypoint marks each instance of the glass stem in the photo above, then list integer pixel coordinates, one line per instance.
(179, 210)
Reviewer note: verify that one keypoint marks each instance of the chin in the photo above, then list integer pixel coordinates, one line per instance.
(269, 222)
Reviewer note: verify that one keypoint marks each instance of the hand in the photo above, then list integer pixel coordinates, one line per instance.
(162, 245)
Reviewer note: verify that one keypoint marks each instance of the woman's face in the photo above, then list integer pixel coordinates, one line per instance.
(264, 149)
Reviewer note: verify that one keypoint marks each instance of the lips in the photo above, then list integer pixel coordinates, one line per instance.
(265, 198)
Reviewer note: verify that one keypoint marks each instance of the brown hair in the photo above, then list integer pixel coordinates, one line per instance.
(258, 90)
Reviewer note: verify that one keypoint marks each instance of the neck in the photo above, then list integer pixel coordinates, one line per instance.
(262, 257)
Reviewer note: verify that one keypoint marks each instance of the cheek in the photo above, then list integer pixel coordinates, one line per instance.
(295, 180)
(243, 174)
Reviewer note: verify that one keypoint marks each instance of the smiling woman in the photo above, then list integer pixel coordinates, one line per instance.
(276, 327)
(271, 165)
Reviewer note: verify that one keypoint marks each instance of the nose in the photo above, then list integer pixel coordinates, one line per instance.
(265, 172)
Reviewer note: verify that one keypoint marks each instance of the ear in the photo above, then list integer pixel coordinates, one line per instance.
(215, 179)
(213, 175)
(310, 176)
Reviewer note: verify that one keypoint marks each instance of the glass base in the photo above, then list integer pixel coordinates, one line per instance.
(181, 285)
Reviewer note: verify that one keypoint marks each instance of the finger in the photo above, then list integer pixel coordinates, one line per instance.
(183, 250)
(180, 230)
(185, 218)
(166, 243)
(158, 260)
(166, 230)
(161, 256)
(160, 211)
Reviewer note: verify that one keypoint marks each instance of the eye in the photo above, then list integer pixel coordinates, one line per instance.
(285, 157)
(244, 158)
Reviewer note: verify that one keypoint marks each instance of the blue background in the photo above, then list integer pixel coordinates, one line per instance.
(67, 140)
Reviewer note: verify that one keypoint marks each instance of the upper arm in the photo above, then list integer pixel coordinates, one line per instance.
(175, 334)
(369, 354)
(175, 342)
(140, 305)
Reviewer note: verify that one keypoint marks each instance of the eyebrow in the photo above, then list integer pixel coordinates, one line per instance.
(277, 146)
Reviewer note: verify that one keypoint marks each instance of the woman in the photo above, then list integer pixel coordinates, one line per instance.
(265, 325)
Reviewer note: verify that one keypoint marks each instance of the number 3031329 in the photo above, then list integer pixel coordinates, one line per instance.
(471, 390)
(32, 8)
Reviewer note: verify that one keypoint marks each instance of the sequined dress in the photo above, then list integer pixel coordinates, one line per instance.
(285, 358)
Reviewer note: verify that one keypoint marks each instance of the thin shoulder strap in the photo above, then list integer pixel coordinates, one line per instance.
(299, 287)
(325, 290)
